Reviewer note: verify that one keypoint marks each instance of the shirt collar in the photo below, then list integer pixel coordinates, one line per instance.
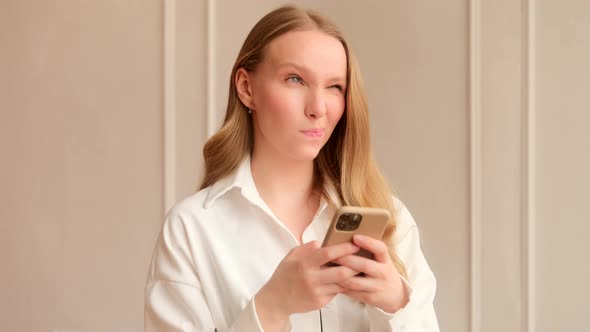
(242, 178)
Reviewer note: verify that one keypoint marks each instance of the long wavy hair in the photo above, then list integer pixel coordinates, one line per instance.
(346, 160)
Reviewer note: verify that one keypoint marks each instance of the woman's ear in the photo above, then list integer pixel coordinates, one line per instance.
(244, 87)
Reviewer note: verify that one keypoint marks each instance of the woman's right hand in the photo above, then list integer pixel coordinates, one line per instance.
(302, 283)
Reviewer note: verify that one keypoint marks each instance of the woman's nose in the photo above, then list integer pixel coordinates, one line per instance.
(316, 106)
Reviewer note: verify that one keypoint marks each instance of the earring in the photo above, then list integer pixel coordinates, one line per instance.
(249, 110)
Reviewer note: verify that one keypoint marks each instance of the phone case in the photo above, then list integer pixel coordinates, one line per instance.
(373, 224)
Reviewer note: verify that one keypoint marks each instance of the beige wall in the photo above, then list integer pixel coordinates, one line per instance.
(478, 115)
(81, 174)
(562, 162)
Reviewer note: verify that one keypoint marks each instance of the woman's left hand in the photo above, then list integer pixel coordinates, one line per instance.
(381, 285)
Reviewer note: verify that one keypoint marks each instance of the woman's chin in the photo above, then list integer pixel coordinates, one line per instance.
(311, 155)
(307, 155)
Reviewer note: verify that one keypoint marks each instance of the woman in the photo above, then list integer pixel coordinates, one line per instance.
(243, 253)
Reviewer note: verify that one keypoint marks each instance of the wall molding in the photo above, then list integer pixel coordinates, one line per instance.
(527, 167)
(169, 87)
(475, 143)
(528, 268)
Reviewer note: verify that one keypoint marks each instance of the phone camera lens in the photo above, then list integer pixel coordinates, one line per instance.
(348, 222)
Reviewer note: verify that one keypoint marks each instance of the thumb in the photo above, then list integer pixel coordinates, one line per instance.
(307, 248)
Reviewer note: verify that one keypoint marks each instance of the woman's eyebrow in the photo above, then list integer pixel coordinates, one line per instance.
(292, 64)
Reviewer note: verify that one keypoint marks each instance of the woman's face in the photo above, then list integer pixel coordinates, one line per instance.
(298, 94)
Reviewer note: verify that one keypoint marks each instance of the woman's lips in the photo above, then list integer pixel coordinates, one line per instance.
(314, 132)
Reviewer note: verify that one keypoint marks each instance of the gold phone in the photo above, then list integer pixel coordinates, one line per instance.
(350, 220)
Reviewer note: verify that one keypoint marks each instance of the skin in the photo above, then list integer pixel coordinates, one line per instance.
(300, 85)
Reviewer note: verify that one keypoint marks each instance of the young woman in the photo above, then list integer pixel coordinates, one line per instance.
(243, 253)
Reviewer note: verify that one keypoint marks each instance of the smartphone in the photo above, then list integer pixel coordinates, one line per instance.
(350, 220)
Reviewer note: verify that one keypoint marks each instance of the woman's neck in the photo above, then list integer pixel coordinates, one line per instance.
(279, 179)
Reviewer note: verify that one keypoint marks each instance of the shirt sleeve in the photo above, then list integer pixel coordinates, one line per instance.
(174, 298)
(418, 315)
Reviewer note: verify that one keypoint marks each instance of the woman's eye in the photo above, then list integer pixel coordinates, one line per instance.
(337, 87)
(294, 79)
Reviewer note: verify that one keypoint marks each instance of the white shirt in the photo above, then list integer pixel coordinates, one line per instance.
(219, 246)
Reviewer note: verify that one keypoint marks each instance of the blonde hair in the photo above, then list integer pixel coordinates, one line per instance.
(346, 159)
